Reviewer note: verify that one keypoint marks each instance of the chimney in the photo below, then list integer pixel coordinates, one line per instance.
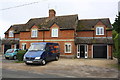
(52, 13)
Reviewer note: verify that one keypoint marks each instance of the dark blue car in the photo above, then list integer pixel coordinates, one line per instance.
(41, 53)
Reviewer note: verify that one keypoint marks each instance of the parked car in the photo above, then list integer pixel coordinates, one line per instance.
(11, 54)
(41, 53)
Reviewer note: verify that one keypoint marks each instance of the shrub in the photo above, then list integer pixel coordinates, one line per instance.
(20, 54)
(115, 54)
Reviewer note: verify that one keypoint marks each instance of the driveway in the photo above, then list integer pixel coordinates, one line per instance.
(24, 74)
(71, 68)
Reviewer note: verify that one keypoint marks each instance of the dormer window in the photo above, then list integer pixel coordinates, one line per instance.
(54, 32)
(11, 34)
(99, 30)
(34, 33)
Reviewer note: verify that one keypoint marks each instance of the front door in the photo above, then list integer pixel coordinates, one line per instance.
(82, 51)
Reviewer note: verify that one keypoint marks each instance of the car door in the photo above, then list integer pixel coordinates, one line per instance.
(48, 52)
(15, 52)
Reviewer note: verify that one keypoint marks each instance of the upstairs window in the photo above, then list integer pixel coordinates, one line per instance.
(99, 30)
(54, 32)
(34, 33)
(67, 47)
(11, 34)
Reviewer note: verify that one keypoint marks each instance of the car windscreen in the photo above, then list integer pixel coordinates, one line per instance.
(37, 47)
(10, 51)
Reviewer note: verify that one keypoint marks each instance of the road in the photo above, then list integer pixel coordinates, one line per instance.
(6, 73)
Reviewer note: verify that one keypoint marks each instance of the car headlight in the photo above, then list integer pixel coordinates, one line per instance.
(37, 57)
(24, 57)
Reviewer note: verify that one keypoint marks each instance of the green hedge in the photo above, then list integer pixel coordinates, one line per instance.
(20, 54)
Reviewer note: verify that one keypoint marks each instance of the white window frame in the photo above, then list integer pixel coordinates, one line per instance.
(78, 51)
(86, 51)
(34, 33)
(11, 34)
(54, 32)
(23, 46)
(70, 49)
(98, 31)
(15, 46)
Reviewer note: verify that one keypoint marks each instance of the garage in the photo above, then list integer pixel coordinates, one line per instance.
(100, 51)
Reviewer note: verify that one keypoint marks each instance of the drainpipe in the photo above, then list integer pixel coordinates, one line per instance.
(43, 35)
(93, 32)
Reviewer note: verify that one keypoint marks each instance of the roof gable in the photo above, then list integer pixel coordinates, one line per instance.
(17, 28)
(88, 24)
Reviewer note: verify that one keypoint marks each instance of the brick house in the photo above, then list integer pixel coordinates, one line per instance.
(88, 38)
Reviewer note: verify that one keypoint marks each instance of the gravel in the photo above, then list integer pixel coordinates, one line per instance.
(74, 68)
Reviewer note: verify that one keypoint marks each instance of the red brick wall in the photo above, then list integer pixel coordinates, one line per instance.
(90, 33)
(62, 34)
(25, 35)
(16, 35)
(110, 51)
(109, 33)
(89, 51)
(85, 34)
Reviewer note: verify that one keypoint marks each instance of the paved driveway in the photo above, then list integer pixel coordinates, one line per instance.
(71, 68)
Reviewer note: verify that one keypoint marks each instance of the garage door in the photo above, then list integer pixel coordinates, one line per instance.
(99, 51)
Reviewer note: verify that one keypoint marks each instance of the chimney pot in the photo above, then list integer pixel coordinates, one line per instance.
(52, 13)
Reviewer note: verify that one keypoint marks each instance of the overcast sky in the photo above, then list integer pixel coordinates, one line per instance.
(86, 9)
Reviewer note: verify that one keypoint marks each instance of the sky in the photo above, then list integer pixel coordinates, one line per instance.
(20, 11)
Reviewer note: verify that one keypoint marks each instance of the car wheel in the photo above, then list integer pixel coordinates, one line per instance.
(43, 62)
(56, 58)
(14, 57)
(6, 58)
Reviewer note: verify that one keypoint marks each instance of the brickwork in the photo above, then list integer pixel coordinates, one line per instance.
(64, 36)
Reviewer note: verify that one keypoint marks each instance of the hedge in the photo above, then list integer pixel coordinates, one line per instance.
(20, 54)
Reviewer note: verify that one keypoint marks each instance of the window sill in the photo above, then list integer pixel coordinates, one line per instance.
(68, 52)
(99, 34)
(34, 37)
(54, 37)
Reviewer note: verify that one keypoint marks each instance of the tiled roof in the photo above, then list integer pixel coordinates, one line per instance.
(64, 22)
(88, 24)
(93, 40)
(17, 28)
(7, 42)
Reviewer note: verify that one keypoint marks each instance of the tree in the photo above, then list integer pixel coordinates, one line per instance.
(116, 27)
(116, 24)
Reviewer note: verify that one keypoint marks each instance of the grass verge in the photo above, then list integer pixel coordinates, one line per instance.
(19, 61)
(117, 66)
